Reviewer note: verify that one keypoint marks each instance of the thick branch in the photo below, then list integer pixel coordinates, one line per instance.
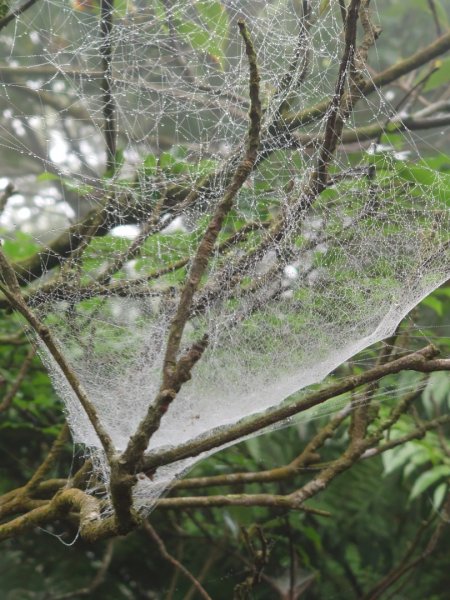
(172, 371)
(91, 527)
(418, 361)
(16, 13)
(368, 86)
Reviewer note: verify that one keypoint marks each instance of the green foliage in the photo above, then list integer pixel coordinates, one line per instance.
(4, 8)
(19, 246)
(429, 181)
(176, 162)
(203, 27)
(440, 77)
(376, 507)
(71, 185)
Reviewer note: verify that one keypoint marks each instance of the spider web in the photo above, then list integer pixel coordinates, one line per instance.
(281, 310)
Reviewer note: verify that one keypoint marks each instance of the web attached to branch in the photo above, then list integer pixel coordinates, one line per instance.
(282, 307)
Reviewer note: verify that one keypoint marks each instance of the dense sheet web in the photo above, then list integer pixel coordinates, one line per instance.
(282, 309)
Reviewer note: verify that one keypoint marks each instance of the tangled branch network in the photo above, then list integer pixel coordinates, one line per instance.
(255, 252)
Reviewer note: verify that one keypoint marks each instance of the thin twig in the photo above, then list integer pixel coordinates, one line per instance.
(97, 580)
(13, 294)
(279, 501)
(419, 361)
(335, 118)
(171, 367)
(55, 450)
(10, 394)
(151, 533)
(5, 196)
(437, 23)
(16, 13)
(109, 108)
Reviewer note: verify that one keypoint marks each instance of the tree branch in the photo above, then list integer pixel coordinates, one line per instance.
(16, 13)
(151, 533)
(421, 361)
(172, 369)
(13, 294)
(109, 109)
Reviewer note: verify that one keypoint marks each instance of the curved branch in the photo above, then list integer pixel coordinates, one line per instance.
(172, 374)
(16, 13)
(368, 86)
(422, 361)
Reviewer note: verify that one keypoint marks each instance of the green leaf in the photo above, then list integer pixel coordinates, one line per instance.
(72, 185)
(427, 479)
(438, 162)
(440, 77)
(435, 183)
(75, 186)
(352, 556)
(396, 140)
(211, 34)
(394, 459)
(215, 18)
(21, 246)
(48, 177)
(150, 165)
(435, 304)
(255, 448)
(439, 494)
(122, 7)
(437, 390)
(324, 7)
(166, 161)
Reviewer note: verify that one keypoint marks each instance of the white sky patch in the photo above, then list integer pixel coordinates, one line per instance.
(177, 226)
(291, 272)
(35, 84)
(23, 213)
(16, 200)
(34, 37)
(59, 148)
(92, 156)
(35, 122)
(60, 152)
(58, 86)
(125, 231)
(18, 127)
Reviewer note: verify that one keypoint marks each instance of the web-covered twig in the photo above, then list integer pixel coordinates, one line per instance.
(171, 369)
(109, 110)
(16, 13)
(422, 361)
(14, 296)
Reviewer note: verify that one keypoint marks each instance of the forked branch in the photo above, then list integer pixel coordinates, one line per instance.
(173, 369)
(12, 291)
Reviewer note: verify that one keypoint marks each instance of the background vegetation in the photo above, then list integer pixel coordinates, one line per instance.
(379, 530)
